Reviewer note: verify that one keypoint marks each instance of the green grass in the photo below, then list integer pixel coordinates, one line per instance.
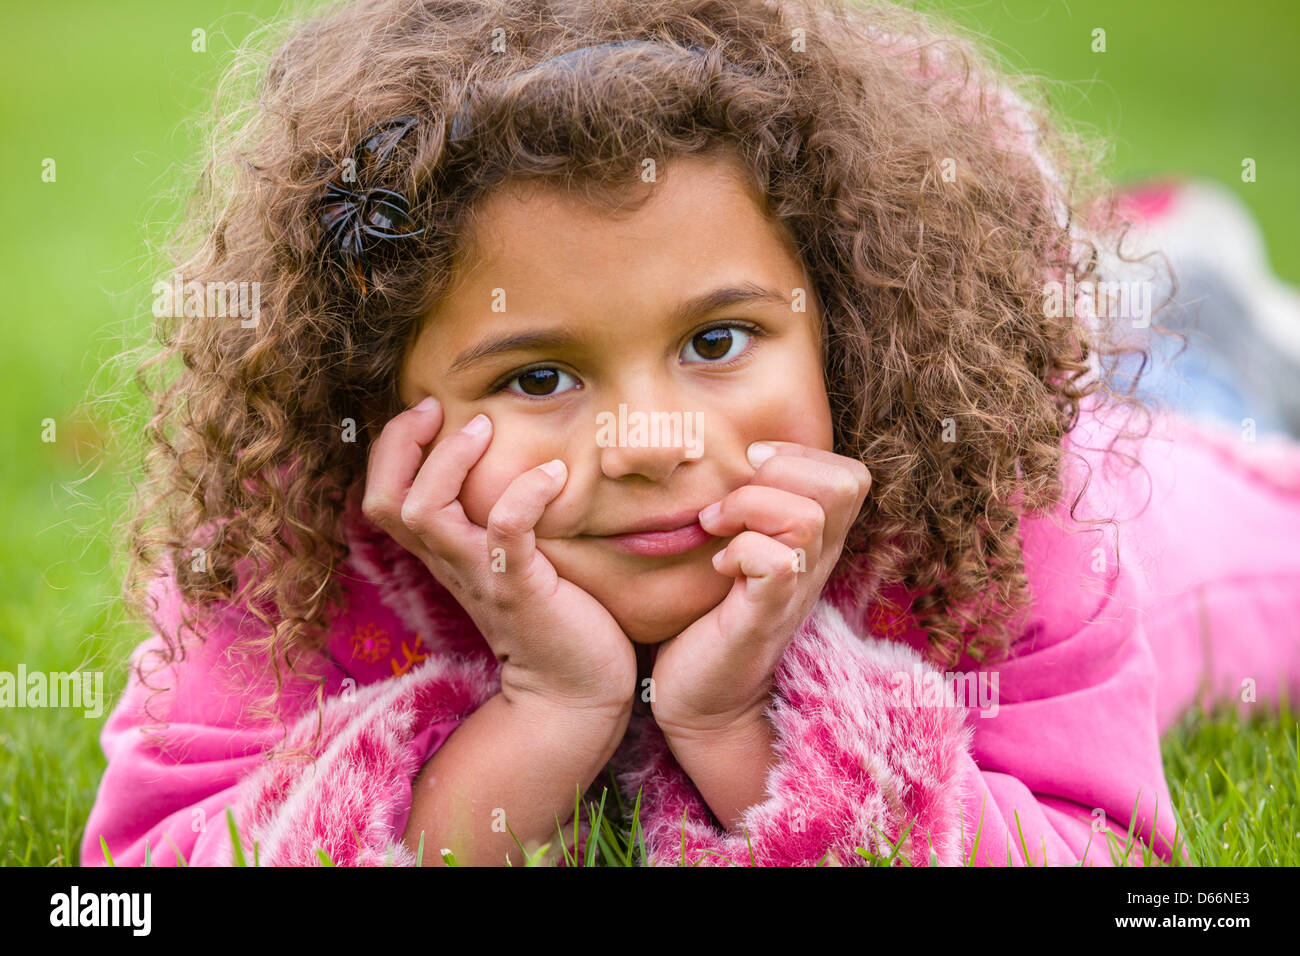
(1235, 784)
(1187, 89)
(104, 90)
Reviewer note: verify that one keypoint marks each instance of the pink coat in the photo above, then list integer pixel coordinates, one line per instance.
(1201, 602)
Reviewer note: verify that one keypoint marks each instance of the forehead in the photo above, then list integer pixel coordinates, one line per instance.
(700, 215)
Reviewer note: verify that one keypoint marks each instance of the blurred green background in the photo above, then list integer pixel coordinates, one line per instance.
(104, 90)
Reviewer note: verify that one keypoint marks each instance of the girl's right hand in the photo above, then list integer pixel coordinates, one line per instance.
(556, 643)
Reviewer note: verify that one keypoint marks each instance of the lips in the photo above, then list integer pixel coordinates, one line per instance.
(672, 522)
(659, 544)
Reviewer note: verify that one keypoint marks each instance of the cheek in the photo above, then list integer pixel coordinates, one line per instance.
(803, 419)
(818, 427)
(487, 482)
(812, 412)
(785, 400)
(509, 454)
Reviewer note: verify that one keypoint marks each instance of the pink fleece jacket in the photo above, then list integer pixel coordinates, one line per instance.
(1196, 598)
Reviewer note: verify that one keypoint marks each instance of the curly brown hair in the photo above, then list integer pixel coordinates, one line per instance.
(883, 139)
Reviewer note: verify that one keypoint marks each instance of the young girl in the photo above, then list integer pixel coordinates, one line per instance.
(703, 398)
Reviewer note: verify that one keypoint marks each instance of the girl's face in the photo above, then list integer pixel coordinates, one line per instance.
(640, 313)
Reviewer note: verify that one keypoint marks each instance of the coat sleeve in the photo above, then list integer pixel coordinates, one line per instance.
(874, 745)
(1067, 768)
(852, 769)
(328, 769)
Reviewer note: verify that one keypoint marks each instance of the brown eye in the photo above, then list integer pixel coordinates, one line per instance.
(720, 342)
(540, 381)
(537, 382)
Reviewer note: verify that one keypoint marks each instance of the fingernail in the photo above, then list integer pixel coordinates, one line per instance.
(718, 557)
(760, 452)
(554, 468)
(429, 404)
(711, 512)
(478, 425)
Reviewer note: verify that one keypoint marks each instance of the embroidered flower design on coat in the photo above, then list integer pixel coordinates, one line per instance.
(887, 622)
(370, 643)
(410, 656)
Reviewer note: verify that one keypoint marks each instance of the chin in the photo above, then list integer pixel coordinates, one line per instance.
(651, 604)
(651, 632)
(652, 614)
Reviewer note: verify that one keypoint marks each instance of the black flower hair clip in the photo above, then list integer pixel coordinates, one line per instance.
(353, 213)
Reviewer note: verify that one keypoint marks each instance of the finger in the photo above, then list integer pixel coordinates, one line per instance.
(800, 451)
(796, 520)
(784, 449)
(838, 483)
(768, 567)
(511, 541)
(432, 508)
(393, 461)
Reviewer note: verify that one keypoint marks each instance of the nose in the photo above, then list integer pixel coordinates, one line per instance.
(644, 433)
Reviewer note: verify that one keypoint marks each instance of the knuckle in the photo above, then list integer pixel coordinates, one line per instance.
(864, 480)
(502, 522)
(846, 485)
(376, 507)
(807, 530)
(416, 515)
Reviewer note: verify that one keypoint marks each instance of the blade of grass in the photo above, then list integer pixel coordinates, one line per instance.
(979, 831)
(590, 849)
(637, 834)
(179, 855)
(1024, 847)
(234, 839)
(609, 843)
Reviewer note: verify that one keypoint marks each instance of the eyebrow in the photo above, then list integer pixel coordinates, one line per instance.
(685, 313)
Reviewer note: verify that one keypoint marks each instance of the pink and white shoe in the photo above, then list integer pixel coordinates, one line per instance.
(1202, 222)
(1245, 356)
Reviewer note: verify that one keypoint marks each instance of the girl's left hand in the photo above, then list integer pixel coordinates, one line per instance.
(789, 526)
